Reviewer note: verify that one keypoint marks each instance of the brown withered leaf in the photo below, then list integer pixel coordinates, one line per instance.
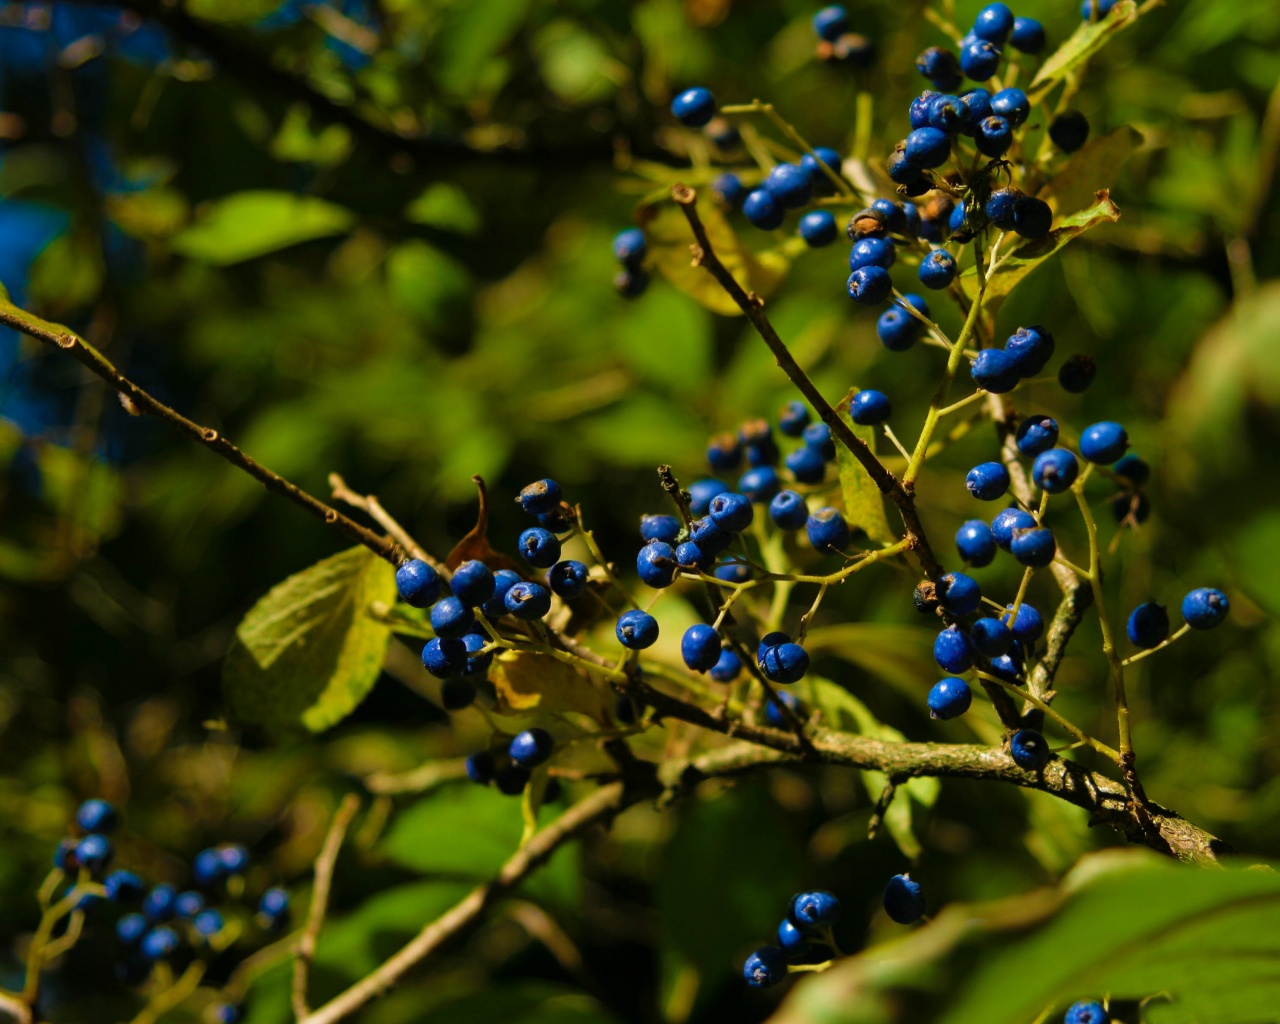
(475, 545)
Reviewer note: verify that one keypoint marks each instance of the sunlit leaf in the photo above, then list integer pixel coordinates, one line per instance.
(863, 502)
(245, 225)
(1088, 39)
(529, 683)
(1093, 166)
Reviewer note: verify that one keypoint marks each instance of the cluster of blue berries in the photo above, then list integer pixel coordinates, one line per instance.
(837, 43)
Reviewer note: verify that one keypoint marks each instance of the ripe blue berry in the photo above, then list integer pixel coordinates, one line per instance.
(207, 868)
(1095, 10)
(927, 147)
(472, 582)
(188, 904)
(938, 269)
(818, 436)
(953, 650)
(700, 647)
(691, 556)
(900, 169)
(1148, 625)
(1006, 667)
(1069, 130)
(450, 617)
(503, 581)
(629, 247)
(807, 465)
(228, 1013)
(539, 547)
(1055, 470)
(789, 186)
(785, 663)
(977, 102)
(869, 285)
(995, 370)
(793, 418)
(979, 59)
(727, 667)
(872, 252)
(528, 600)
(1035, 547)
(274, 904)
(159, 943)
(1086, 1013)
(730, 511)
(991, 637)
(941, 67)
(1008, 520)
(724, 453)
(959, 594)
(1205, 608)
(709, 535)
(97, 816)
(1103, 442)
(895, 219)
(531, 747)
(949, 698)
(827, 531)
(817, 909)
(788, 510)
(766, 966)
(812, 163)
(94, 852)
(158, 903)
(1027, 36)
(456, 694)
(477, 663)
(948, 113)
(1133, 469)
(959, 221)
(1076, 374)
(1029, 750)
(700, 494)
(975, 543)
(987, 481)
(234, 857)
(729, 189)
(1012, 105)
(869, 407)
(763, 210)
(993, 135)
(480, 767)
(759, 484)
(656, 563)
(773, 716)
(918, 112)
(1000, 206)
(1032, 218)
(568, 579)
(539, 497)
(791, 939)
(1037, 434)
(694, 107)
(444, 656)
(417, 583)
(897, 329)
(1027, 627)
(207, 923)
(831, 23)
(818, 228)
(903, 899)
(732, 571)
(1031, 347)
(994, 22)
(636, 630)
(122, 886)
(767, 641)
(130, 928)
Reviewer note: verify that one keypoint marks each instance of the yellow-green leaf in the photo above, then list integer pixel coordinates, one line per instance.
(531, 683)
(245, 225)
(1088, 38)
(1093, 167)
(308, 652)
(863, 502)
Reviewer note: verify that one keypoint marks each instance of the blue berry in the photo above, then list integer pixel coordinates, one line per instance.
(980, 59)
(773, 716)
(1027, 36)
(1029, 750)
(630, 282)
(159, 943)
(900, 169)
(1037, 434)
(1148, 625)
(807, 465)
(831, 23)
(1008, 520)
(94, 852)
(724, 453)
(975, 543)
(730, 511)
(234, 857)
(1205, 608)
(1012, 105)
(1069, 130)
(732, 571)
(122, 886)
(1095, 10)
(788, 510)
(1035, 547)
(1032, 218)
(766, 966)
(927, 147)
(827, 531)
(274, 904)
(97, 816)
(539, 497)
(700, 494)
(568, 579)
(1000, 206)
(895, 218)
(812, 164)
(629, 247)
(904, 899)
(941, 67)
(872, 252)
(531, 747)
(691, 556)
(959, 594)
(694, 107)
(937, 269)
(207, 867)
(949, 698)
(959, 221)
(1076, 374)
(869, 407)
(188, 904)
(785, 663)
(789, 185)
(869, 285)
(709, 535)
(207, 923)
(1055, 470)
(1006, 667)
(953, 650)
(818, 436)
(1032, 347)
(456, 694)
(557, 521)
(994, 22)
(898, 330)
(1133, 469)
(472, 582)
(480, 767)
(228, 1013)
(948, 113)
(1086, 1013)
(727, 667)
(759, 484)
(977, 102)
(993, 135)
(130, 928)
(700, 647)
(503, 581)
(763, 210)
(1103, 442)
(987, 481)
(817, 909)
(991, 637)
(793, 418)
(158, 903)
(1027, 627)
(528, 600)
(539, 547)
(995, 370)
(477, 663)
(729, 189)
(818, 228)
(656, 563)
(636, 630)
(417, 583)
(450, 617)
(918, 112)
(790, 938)
(767, 641)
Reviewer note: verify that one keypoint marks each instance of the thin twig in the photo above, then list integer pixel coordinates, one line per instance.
(421, 779)
(369, 504)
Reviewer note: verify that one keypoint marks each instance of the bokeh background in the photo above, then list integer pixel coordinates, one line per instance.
(333, 304)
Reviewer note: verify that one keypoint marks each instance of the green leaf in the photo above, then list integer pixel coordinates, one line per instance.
(1123, 923)
(1092, 167)
(67, 275)
(863, 502)
(443, 205)
(1024, 258)
(1083, 44)
(249, 224)
(901, 655)
(669, 238)
(307, 653)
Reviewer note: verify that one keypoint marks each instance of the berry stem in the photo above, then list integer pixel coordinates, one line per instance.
(167, 998)
(1159, 647)
(787, 129)
(1069, 726)
(864, 118)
